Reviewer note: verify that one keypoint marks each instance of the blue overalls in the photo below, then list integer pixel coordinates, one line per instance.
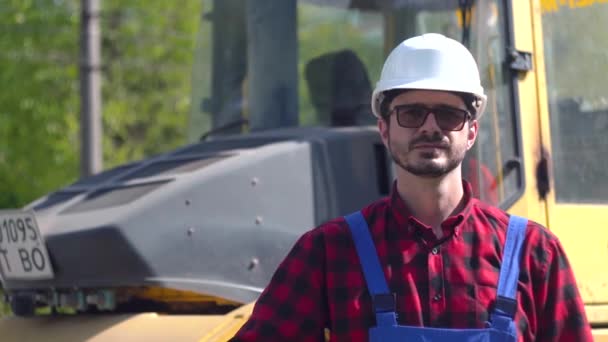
(501, 326)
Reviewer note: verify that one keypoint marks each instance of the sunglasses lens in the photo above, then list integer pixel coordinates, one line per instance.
(447, 118)
(411, 117)
(450, 119)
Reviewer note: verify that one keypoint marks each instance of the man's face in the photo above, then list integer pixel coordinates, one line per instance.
(427, 151)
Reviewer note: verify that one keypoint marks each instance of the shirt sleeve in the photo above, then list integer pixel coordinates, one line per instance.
(562, 317)
(292, 307)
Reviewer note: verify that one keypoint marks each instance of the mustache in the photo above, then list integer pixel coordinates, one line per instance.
(436, 139)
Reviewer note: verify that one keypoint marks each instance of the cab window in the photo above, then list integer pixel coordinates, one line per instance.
(494, 164)
(575, 61)
(340, 57)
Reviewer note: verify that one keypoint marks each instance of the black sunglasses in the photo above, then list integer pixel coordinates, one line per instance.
(447, 118)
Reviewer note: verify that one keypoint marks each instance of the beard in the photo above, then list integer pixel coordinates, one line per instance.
(424, 163)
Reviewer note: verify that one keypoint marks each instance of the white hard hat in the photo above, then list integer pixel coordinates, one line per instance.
(430, 62)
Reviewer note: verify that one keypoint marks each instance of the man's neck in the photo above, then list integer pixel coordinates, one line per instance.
(431, 200)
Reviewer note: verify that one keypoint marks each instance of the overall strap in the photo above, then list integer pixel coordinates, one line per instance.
(383, 301)
(506, 300)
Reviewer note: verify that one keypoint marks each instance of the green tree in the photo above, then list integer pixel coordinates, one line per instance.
(148, 48)
(147, 56)
(38, 101)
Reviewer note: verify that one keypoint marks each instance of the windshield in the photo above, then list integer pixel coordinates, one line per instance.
(265, 64)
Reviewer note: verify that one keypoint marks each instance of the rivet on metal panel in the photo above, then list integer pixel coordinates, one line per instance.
(258, 220)
(254, 181)
(253, 263)
(190, 231)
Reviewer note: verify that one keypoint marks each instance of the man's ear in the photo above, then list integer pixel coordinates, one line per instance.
(472, 133)
(383, 127)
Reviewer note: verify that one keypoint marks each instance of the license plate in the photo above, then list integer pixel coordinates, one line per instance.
(23, 254)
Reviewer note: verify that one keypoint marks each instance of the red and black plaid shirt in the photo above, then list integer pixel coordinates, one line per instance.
(448, 283)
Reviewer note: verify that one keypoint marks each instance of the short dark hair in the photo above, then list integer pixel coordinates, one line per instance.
(387, 98)
(470, 101)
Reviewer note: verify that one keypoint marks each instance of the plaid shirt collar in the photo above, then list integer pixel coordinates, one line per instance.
(403, 218)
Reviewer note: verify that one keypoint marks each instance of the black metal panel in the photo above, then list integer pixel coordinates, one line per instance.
(346, 173)
(242, 142)
(112, 197)
(98, 256)
(172, 167)
(200, 253)
(105, 175)
(56, 198)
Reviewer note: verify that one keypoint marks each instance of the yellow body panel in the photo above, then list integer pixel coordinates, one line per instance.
(578, 226)
(600, 335)
(581, 229)
(230, 325)
(105, 328)
(528, 204)
(146, 327)
(597, 313)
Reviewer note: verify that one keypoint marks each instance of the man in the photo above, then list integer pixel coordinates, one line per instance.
(430, 262)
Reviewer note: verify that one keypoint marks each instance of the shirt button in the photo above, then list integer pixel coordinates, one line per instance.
(437, 297)
(435, 251)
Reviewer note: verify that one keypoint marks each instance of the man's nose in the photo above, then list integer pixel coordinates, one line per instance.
(430, 124)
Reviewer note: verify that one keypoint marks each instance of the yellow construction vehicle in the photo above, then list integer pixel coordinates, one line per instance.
(178, 247)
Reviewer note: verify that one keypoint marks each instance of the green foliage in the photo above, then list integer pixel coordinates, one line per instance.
(4, 307)
(147, 51)
(148, 46)
(38, 103)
